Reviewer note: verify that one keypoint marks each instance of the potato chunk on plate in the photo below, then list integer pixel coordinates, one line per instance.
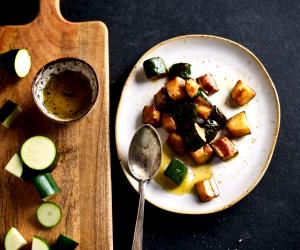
(202, 155)
(241, 93)
(207, 189)
(208, 83)
(151, 115)
(176, 88)
(224, 148)
(238, 125)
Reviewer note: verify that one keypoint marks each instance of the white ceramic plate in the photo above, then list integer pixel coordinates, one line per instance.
(228, 62)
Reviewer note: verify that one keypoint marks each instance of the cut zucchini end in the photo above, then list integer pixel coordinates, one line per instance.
(46, 186)
(8, 113)
(39, 243)
(65, 242)
(49, 214)
(14, 240)
(22, 63)
(15, 166)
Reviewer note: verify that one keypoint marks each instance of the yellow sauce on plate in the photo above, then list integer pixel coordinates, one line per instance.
(195, 173)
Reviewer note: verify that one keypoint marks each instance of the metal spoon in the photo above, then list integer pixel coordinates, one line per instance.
(144, 159)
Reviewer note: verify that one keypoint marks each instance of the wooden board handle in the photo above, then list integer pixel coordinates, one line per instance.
(49, 9)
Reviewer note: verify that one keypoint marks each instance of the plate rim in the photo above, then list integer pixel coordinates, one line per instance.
(274, 136)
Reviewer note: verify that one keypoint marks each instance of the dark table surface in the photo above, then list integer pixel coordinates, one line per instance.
(269, 217)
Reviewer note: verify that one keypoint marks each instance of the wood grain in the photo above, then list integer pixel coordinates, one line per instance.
(83, 171)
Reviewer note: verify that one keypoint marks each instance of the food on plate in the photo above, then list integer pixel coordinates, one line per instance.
(176, 88)
(238, 125)
(17, 61)
(176, 143)
(49, 214)
(8, 113)
(65, 242)
(38, 243)
(194, 137)
(203, 154)
(224, 148)
(183, 70)
(218, 116)
(204, 108)
(211, 128)
(155, 67)
(176, 171)
(208, 83)
(168, 123)
(191, 87)
(241, 93)
(160, 98)
(151, 115)
(46, 186)
(14, 240)
(15, 166)
(207, 189)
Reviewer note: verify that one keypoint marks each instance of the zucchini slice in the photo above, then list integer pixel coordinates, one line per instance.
(218, 116)
(14, 240)
(65, 243)
(155, 67)
(194, 137)
(182, 70)
(8, 113)
(39, 243)
(17, 61)
(15, 166)
(211, 128)
(49, 214)
(38, 153)
(176, 171)
(45, 186)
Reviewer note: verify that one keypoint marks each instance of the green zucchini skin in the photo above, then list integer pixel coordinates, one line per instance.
(176, 171)
(49, 214)
(218, 116)
(14, 240)
(193, 140)
(38, 243)
(15, 166)
(46, 186)
(203, 95)
(155, 67)
(65, 243)
(182, 70)
(211, 128)
(8, 113)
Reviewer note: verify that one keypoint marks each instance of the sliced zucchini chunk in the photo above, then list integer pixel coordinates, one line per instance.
(39, 153)
(168, 123)
(176, 88)
(15, 166)
(207, 189)
(176, 171)
(182, 70)
(211, 128)
(208, 83)
(160, 98)
(14, 240)
(49, 214)
(176, 143)
(46, 186)
(202, 155)
(151, 116)
(238, 125)
(191, 87)
(39, 243)
(204, 108)
(218, 116)
(155, 67)
(65, 243)
(194, 137)
(224, 148)
(8, 113)
(241, 93)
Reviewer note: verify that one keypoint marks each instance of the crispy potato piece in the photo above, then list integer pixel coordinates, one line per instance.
(168, 123)
(191, 87)
(176, 88)
(241, 93)
(238, 125)
(207, 189)
(160, 98)
(151, 115)
(224, 148)
(208, 83)
(204, 108)
(203, 154)
(176, 142)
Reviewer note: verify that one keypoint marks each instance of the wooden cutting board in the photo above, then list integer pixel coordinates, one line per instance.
(83, 171)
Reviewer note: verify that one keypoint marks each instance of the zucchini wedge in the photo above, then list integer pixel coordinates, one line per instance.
(218, 116)
(65, 243)
(155, 67)
(46, 186)
(49, 214)
(211, 128)
(8, 113)
(17, 61)
(194, 137)
(182, 70)
(14, 240)
(176, 171)
(39, 243)
(15, 166)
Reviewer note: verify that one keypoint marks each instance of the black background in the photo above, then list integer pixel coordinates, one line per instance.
(269, 217)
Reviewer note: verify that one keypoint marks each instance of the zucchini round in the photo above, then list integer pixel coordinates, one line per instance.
(49, 214)
(45, 186)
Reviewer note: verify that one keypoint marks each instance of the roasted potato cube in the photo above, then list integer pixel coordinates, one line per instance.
(208, 83)
(176, 142)
(160, 98)
(202, 155)
(207, 189)
(176, 88)
(191, 87)
(204, 108)
(238, 125)
(151, 115)
(168, 123)
(241, 93)
(224, 148)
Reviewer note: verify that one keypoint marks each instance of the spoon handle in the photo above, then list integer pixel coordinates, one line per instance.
(137, 243)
